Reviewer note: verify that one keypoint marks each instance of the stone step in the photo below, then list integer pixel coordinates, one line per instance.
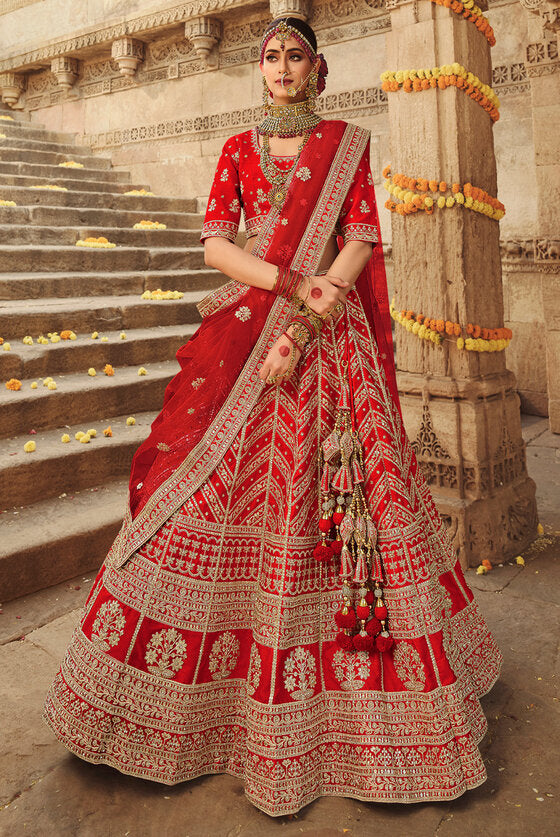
(66, 216)
(56, 467)
(52, 157)
(80, 398)
(41, 172)
(24, 196)
(57, 539)
(63, 236)
(30, 258)
(37, 285)
(80, 153)
(70, 181)
(32, 130)
(87, 314)
(142, 347)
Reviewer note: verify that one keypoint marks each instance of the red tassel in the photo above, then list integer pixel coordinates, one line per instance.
(361, 574)
(346, 527)
(325, 524)
(369, 597)
(348, 620)
(336, 546)
(346, 568)
(322, 552)
(373, 627)
(344, 641)
(357, 473)
(342, 480)
(326, 479)
(338, 517)
(331, 446)
(344, 400)
(362, 612)
(363, 642)
(384, 643)
(377, 573)
(380, 612)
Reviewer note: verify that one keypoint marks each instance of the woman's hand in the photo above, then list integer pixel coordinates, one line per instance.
(281, 359)
(326, 292)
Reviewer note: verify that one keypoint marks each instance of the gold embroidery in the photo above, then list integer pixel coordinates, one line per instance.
(223, 656)
(255, 670)
(109, 625)
(166, 652)
(351, 670)
(162, 446)
(409, 667)
(300, 674)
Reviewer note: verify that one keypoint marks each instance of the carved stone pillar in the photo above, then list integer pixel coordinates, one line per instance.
(290, 8)
(461, 409)
(11, 85)
(128, 53)
(204, 33)
(543, 69)
(66, 71)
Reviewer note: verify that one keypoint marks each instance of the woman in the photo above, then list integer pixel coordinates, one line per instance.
(282, 602)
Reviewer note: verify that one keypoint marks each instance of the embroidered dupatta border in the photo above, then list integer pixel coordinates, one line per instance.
(208, 453)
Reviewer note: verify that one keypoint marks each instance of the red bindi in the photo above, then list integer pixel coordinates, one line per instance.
(316, 293)
(284, 351)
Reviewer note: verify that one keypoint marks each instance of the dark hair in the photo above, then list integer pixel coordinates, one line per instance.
(296, 23)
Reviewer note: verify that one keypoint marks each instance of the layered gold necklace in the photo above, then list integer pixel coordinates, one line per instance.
(277, 176)
(289, 120)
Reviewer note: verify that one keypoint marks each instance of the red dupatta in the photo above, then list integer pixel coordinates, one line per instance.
(208, 401)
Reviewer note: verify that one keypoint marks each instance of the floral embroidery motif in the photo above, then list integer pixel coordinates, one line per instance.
(284, 222)
(351, 670)
(212, 205)
(235, 156)
(234, 205)
(166, 652)
(162, 446)
(364, 206)
(318, 135)
(197, 382)
(190, 411)
(369, 179)
(223, 656)
(224, 175)
(300, 674)
(255, 670)
(409, 667)
(303, 173)
(108, 626)
(243, 313)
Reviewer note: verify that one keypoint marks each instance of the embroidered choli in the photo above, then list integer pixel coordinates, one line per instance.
(239, 183)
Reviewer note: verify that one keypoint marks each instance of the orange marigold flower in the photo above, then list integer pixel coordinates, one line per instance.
(457, 329)
(476, 332)
(409, 315)
(422, 184)
(429, 210)
(440, 326)
(433, 184)
(65, 334)
(448, 327)
(441, 83)
(433, 82)
(418, 201)
(13, 384)
(442, 186)
(417, 84)
(425, 83)
(1, 340)
(407, 85)
(108, 431)
(108, 369)
(470, 328)
(387, 171)
(456, 187)
(420, 318)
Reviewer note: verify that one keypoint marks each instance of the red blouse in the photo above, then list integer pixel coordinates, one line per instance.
(239, 183)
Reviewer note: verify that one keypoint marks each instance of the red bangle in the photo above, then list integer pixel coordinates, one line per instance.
(291, 339)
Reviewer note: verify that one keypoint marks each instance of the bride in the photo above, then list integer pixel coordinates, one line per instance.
(282, 602)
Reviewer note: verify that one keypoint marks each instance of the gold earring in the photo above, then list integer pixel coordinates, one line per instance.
(312, 89)
(265, 92)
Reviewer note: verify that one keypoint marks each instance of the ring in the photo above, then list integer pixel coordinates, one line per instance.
(338, 308)
(273, 379)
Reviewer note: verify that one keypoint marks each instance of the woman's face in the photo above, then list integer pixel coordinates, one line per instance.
(289, 62)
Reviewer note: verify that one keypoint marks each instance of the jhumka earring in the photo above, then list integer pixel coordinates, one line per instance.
(312, 89)
(265, 94)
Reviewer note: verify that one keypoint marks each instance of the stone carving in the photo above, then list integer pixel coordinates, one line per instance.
(11, 85)
(510, 79)
(292, 8)
(128, 53)
(547, 250)
(204, 33)
(426, 443)
(541, 254)
(65, 69)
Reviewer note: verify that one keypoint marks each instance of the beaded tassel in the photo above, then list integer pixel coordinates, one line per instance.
(362, 618)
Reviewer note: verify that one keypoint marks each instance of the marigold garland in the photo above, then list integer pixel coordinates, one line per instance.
(71, 164)
(91, 241)
(138, 192)
(410, 191)
(7, 118)
(480, 339)
(52, 186)
(7, 203)
(472, 13)
(448, 75)
(149, 225)
(159, 294)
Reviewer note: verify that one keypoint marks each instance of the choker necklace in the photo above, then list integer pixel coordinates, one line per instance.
(288, 120)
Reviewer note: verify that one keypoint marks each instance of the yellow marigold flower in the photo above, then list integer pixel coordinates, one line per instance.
(104, 339)
(540, 529)
(91, 372)
(28, 340)
(460, 343)
(79, 435)
(46, 381)
(123, 335)
(65, 438)
(84, 438)
(33, 384)
(399, 76)
(55, 338)
(13, 384)
(6, 347)
(92, 433)
(441, 202)
(108, 369)
(450, 201)
(130, 421)
(108, 431)
(7, 203)
(456, 68)
(142, 371)
(415, 327)
(94, 335)
(520, 560)
(51, 385)
(422, 331)
(480, 570)
(469, 202)
(30, 446)
(428, 202)
(459, 197)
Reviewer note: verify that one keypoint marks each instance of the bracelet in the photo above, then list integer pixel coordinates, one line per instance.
(287, 282)
(316, 320)
(294, 342)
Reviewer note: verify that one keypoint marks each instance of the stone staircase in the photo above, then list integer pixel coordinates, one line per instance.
(61, 506)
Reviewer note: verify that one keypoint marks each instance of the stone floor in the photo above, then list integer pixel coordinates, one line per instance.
(47, 792)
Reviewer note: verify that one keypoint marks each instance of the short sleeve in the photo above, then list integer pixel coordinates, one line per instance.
(224, 203)
(358, 216)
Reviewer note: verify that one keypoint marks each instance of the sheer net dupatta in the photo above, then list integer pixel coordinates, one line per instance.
(209, 400)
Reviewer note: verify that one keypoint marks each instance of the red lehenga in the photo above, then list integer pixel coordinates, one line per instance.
(207, 643)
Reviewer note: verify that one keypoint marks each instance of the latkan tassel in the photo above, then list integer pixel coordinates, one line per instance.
(361, 573)
(346, 567)
(342, 481)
